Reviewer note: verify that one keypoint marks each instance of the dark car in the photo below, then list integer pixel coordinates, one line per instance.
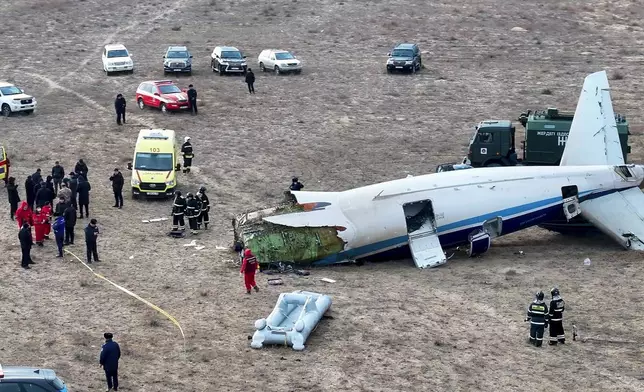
(177, 59)
(404, 58)
(26, 379)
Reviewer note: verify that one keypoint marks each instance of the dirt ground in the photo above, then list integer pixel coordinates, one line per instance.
(343, 123)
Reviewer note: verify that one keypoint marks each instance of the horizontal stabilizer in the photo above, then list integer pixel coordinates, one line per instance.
(593, 137)
(619, 215)
(303, 197)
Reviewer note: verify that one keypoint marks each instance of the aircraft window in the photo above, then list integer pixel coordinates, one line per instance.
(485, 137)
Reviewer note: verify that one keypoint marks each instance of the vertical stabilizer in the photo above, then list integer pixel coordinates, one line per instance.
(593, 137)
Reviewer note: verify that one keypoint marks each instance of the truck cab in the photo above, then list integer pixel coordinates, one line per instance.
(155, 164)
(492, 144)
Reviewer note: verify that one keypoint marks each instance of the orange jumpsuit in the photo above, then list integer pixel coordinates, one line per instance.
(46, 209)
(40, 225)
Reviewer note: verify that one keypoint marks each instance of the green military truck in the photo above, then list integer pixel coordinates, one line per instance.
(546, 133)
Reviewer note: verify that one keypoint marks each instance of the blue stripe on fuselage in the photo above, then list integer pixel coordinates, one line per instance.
(465, 227)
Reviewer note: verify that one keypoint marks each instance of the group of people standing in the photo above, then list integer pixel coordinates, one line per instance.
(194, 207)
(540, 315)
(38, 210)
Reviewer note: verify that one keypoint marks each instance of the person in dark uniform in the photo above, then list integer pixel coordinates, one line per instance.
(296, 185)
(91, 237)
(81, 169)
(178, 210)
(73, 186)
(205, 208)
(117, 187)
(14, 197)
(44, 195)
(83, 195)
(26, 242)
(49, 183)
(59, 234)
(61, 206)
(29, 190)
(119, 105)
(109, 361)
(192, 98)
(556, 318)
(70, 216)
(538, 316)
(37, 176)
(250, 81)
(186, 150)
(57, 173)
(192, 212)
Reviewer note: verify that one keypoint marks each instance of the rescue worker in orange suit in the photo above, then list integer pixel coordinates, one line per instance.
(538, 317)
(248, 269)
(556, 318)
(40, 223)
(24, 215)
(46, 209)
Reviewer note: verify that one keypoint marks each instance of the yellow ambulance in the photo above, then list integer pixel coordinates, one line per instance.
(4, 165)
(155, 164)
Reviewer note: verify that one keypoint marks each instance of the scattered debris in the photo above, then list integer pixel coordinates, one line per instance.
(220, 247)
(200, 247)
(131, 257)
(275, 281)
(517, 28)
(520, 253)
(586, 261)
(154, 220)
(192, 243)
(574, 332)
(327, 280)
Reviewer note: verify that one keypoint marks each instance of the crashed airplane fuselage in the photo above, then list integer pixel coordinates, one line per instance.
(464, 207)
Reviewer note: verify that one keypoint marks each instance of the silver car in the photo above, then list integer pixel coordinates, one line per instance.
(278, 61)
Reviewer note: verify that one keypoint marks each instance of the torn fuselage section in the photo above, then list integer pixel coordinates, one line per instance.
(272, 242)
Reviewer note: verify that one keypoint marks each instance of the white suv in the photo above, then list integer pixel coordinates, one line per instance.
(279, 61)
(224, 59)
(116, 58)
(13, 99)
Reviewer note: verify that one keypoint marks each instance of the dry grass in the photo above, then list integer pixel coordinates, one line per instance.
(343, 123)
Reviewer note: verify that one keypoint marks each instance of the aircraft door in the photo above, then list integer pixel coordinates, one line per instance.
(424, 244)
(571, 206)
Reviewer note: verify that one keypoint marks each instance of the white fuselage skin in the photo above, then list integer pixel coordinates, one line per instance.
(462, 200)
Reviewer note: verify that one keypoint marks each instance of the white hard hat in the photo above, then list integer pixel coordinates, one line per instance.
(187, 138)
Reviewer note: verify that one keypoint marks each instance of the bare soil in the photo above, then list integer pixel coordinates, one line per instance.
(343, 123)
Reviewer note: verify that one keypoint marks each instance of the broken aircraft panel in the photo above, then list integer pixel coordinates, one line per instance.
(272, 242)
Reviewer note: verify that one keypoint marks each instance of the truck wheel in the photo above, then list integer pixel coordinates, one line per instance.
(140, 103)
(6, 110)
(261, 67)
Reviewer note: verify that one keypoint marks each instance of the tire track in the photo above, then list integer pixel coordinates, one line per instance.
(53, 85)
(177, 5)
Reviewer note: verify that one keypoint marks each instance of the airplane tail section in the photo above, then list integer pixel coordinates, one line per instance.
(593, 137)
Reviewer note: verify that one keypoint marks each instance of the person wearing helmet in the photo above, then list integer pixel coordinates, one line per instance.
(248, 268)
(205, 208)
(193, 210)
(178, 211)
(296, 185)
(538, 316)
(186, 151)
(556, 318)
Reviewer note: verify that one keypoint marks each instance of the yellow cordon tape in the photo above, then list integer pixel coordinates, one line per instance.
(123, 289)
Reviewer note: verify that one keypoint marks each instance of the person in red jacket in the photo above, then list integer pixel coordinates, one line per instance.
(24, 214)
(40, 224)
(248, 269)
(46, 209)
